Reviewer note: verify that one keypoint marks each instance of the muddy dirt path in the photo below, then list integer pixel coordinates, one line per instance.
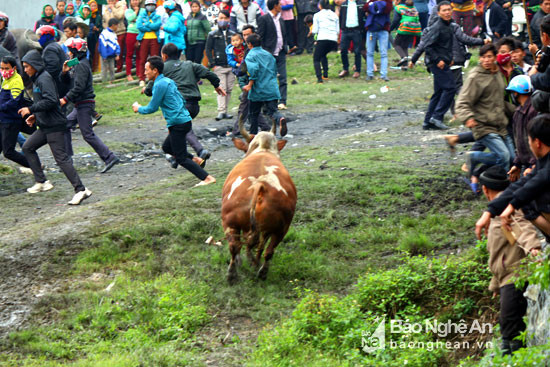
(26, 247)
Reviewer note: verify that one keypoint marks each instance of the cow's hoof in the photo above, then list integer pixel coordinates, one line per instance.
(262, 273)
(232, 278)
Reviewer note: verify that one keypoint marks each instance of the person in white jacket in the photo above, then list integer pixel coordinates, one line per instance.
(326, 28)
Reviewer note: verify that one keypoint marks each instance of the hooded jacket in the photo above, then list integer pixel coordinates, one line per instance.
(46, 107)
(79, 81)
(54, 57)
(482, 98)
(174, 30)
(148, 22)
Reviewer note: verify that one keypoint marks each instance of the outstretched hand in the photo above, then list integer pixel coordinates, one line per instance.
(482, 224)
(220, 91)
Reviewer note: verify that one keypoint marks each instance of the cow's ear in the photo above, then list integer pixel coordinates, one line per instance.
(281, 144)
(241, 145)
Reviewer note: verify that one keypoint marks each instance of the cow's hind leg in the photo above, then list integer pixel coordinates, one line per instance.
(234, 238)
(275, 239)
(253, 241)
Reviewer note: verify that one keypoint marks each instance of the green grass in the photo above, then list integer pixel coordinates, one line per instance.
(170, 287)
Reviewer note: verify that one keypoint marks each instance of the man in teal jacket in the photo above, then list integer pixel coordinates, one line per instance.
(168, 98)
(263, 90)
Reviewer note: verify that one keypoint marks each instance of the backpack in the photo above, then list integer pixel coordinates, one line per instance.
(376, 20)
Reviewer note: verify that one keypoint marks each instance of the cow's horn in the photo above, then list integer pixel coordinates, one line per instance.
(273, 126)
(243, 131)
(33, 44)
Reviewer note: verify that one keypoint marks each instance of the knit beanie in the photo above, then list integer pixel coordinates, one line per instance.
(494, 178)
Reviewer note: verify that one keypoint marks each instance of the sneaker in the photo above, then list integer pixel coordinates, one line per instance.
(228, 117)
(320, 81)
(282, 126)
(403, 61)
(385, 78)
(94, 123)
(370, 77)
(142, 83)
(98, 116)
(172, 161)
(39, 187)
(282, 106)
(80, 197)
(25, 170)
(220, 116)
(110, 165)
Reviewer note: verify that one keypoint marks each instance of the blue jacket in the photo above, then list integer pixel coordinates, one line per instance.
(108, 44)
(175, 29)
(168, 98)
(148, 23)
(263, 70)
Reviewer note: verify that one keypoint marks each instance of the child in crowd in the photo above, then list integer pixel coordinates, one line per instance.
(308, 20)
(409, 28)
(504, 258)
(109, 50)
(235, 52)
(70, 10)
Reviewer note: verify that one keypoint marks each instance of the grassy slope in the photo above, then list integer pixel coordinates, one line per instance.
(169, 284)
(169, 287)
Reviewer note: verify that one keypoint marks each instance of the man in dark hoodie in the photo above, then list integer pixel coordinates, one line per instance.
(46, 113)
(80, 81)
(52, 55)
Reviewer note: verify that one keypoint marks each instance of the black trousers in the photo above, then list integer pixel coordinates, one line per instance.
(194, 109)
(356, 37)
(270, 109)
(322, 48)
(243, 111)
(195, 52)
(56, 141)
(175, 144)
(512, 309)
(303, 41)
(9, 133)
(401, 44)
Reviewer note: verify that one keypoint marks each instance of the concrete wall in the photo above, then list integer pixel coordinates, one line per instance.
(24, 13)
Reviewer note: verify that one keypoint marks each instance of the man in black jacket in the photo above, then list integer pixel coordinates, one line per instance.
(304, 8)
(52, 54)
(186, 75)
(537, 20)
(271, 29)
(46, 113)
(216, 43)
(541, 79)
(495, 20)
(352, 19)
(80, 81)
(439, 56)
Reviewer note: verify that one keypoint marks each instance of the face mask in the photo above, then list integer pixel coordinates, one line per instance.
(223, 24)
(503, 59)
(6, 74)
(150, 8)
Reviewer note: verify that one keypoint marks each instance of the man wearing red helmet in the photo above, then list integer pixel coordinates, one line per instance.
(81, 93)
(7, 39)
(52, 54)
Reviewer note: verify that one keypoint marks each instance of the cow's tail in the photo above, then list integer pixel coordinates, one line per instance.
(257, 198)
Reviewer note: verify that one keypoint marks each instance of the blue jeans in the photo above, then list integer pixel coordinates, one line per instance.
(382, 37)
(501, 152)
(21, 140)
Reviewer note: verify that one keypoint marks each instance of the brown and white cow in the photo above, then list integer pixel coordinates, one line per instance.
(258, 201)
